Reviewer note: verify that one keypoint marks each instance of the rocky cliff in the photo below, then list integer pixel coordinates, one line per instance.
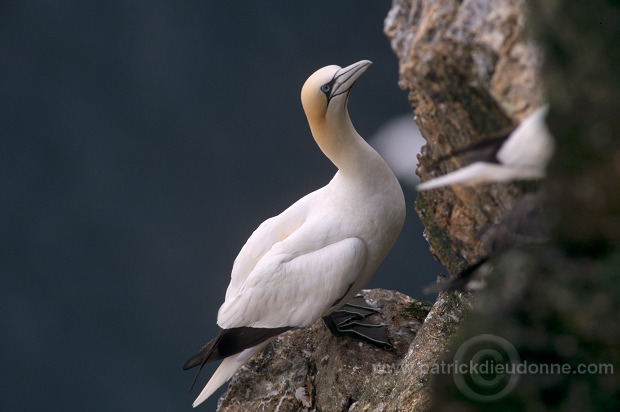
(474, 69)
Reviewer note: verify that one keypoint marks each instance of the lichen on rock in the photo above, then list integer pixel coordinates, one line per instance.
(334, 372)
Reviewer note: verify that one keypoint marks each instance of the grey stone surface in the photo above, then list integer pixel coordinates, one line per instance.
(311, 369)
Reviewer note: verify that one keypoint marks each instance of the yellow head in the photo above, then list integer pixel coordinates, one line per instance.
(326, 92)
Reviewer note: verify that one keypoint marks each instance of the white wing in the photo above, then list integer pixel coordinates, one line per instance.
(297, 281)
(270, 232)
(530, 145)
(479, 172)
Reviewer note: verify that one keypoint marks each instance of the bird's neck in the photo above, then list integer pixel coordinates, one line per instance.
(341, 143)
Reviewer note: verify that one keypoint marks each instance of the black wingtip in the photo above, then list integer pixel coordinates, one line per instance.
(462, 282)
(485, 150)
(203, 356)
(205, 353)
(192, 362)
(229, 342)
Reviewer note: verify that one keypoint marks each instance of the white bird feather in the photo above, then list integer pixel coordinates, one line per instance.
(524, 155)
(317, 254)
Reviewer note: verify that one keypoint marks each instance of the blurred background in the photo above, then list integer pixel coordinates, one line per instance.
(142, 143)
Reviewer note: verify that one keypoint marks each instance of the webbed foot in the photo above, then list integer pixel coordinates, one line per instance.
(351, 320)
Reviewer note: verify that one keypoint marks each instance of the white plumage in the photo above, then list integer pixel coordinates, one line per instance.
(523, 155)
(317, 254)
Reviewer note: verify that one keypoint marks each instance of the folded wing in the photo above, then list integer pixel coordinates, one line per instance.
(295, 283)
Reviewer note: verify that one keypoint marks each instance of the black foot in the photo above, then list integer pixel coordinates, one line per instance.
(351, 320)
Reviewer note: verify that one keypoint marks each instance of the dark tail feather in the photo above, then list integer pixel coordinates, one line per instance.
(203, 356)
(205, 353)
(230, 342)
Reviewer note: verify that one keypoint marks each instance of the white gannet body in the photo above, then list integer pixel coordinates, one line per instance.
(523, 155)
(316, 255)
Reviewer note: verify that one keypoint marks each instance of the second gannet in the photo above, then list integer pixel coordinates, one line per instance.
(522, 155)
(312, 258)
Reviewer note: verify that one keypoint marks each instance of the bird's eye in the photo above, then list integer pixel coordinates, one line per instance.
(326, 88)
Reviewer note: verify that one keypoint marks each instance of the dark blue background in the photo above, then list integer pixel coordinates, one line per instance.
(142, 143)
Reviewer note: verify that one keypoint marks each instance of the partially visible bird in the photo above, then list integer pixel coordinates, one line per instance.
(398, 141)
(312, 258)
(521, 155)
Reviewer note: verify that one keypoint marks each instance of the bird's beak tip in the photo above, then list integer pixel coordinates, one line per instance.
(362, 63)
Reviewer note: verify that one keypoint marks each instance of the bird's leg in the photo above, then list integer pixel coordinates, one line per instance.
(351, 320)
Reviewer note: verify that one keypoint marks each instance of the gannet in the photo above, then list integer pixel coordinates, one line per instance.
(524, 154)
(398, 141)
(315, 256)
